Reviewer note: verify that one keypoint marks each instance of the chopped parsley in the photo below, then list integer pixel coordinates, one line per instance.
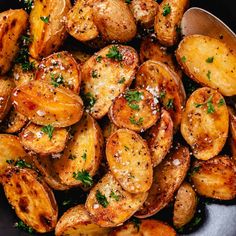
(183, 59)
(94, 74)
(48, 129)
(56, 81)
(66, 202)
(114, 53)
(221, 102)
(22, 226)
(128, 1)
(126, 148)
(45, 19)
(89, 100)
(170, 103)
(210, 107)
(84, 177)
(122, 80)
(210, 59)
(136, 122)
(22, 164)
(102, 200)
(166, 10)
(99, 58)
(209, 74)
(136, 223)
(162, 94)
(10, 162)
(84, 156)
(114, 196)
(28, 4)
(132, 97)
(195, 170)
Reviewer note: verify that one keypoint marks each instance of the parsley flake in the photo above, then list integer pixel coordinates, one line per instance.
(136, 122)
(45, 19)
(84, 156)
(132, 97)
(102, 200)
(22, 226)
(56, 81)
(94, 74)
(209, 74)
(89, 100)
(114, 196)
(221, 102)
(84, 177)
(48, 129)
(166, 10)
(122, 80)
(136, 223)
(183, 59)
(28, 4)
(210, 59)
(210, 107)
(128, 1)
(22, 164)
(10, 162)
(170, 103)
(114, 53)
(99, 59)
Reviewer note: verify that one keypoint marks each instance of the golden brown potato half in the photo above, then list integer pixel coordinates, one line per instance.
(60, 69)
(215, 178)
(185, 205)
(159, 138)
(32, 199)
(44, 104)
(167, 177)
(208, 63)
(77, 221)
(137, 110)
(114, 20)
(205, 123)
(164, 84)
(47, 26)
(147, 227)
(110, 205)
(167, 21)
(35, 138)
(108, 129)
(105, 75)
(80, 56)
(129, 160)
(82, 156)
(12, 25)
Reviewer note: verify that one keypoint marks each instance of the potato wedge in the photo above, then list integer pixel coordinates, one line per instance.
(167, 21)
(32, 199)
(159, 138)
(167, 177)
(129, 160)
(108, 129)
(109, 205)
(12, 25)
(215, 178)
(112, 16)
(47, 26)
(44, 104)
(137, 110)
(105, 75)
(82, 155)
(205, 123)
(60, 69)
(77, 221)
(20, 76)
(208, 63)
(185, 205)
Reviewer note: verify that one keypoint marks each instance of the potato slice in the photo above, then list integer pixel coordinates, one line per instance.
(167, 177)
(47, 26)
(105, 75)
(137, 110)
(129, 160)
(208, 63)
(109, 205)
(205, 123)
(185, 205)
(77, 221)
(32, 199)
(44, 104)
(167, 21)
(60, 69)
(159, 138)
(82, 155)
(215, 178)
(12, 25)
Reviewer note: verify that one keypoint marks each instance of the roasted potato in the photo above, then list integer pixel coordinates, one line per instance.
(205, 123)
(137, 110)
(47, 26)
(110, 205)
(232, 126)
(44, 104)
(215, 178)
(108, 129)
(167, 178)
(12, 25)
(167, 21)
(185, 205)
(207, 63)
(80, 56)
(105, 75)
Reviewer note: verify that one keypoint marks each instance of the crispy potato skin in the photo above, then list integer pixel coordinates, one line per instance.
(47, 35)
(215, 178)
(185, 205)
(207, 74)
(205, 131)
(166, 26)
(44, 104)
(20, 76)
(12, 25)
(116, 212)
(232, 126)
(167, 177)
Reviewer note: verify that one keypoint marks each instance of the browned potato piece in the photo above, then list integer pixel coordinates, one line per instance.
(105, 75)
(147, 227)
(108, 129)
(168, 20)
(44, 104)
(205, 123)
(82, 155)
(232, 122)
(215, 178)
(12, 25)
(47, 26)
(110, 205)
(167, 177)
(159, 138)
(32, 199)
(77, 221)
(137, 110)
(185, 205)
(208, 63)
(114, 20)
(80, 56)
(129, 160)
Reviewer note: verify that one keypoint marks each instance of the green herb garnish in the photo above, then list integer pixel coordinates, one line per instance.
(210, 59)
(22, 164)
(28, 4)
(84, 177)
(122, 80)
(170, 103)
(132, 97)
(136, 122)
(166, 10)
(102, 200)
(89, 100)
(114, 53)
(22, 226)
(10, 162)
(99, 58)
(221, 102)
(209, 74)
(210, 107)
(136, 223)
(84, 156)
(94, 74)
(56, 81)
(128, 1)
(48, 129)
(45, 19)
(114, 196)
(183, 59)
